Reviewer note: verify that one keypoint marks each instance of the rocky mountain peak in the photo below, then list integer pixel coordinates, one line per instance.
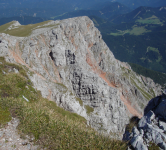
(71, 65)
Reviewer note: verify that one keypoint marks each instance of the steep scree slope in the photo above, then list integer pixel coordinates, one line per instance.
(70, 64)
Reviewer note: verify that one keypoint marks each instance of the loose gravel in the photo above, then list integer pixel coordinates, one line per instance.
(10, 139)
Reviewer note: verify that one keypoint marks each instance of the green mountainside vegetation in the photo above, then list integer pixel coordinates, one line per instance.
(139, 38)
(140, 13)
(156, 76)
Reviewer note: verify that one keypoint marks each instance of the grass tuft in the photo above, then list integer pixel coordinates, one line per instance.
(5, 116)
(80, 101)
(88, 109)
(153, 146)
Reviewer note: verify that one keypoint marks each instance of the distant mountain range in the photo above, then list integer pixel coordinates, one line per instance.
(44, 9)
(158, 3)
(86, 3)
(137, 3)
(55, 8)
(136, 36)
(140, 13)
(105, 11)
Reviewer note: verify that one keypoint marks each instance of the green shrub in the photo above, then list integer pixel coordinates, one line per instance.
(153, 146)
(80, 101)
(133, 122)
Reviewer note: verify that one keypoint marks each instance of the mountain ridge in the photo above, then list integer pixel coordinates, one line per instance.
(70, 58)
(104, 11)
(140, 12)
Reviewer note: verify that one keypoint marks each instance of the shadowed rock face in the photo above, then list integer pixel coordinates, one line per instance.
(69, 60)
(152, 126)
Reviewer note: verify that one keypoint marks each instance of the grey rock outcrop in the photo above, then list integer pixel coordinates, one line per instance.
(70, 64)
(152, 126)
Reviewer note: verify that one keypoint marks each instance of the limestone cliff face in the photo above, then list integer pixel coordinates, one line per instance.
(70, 64)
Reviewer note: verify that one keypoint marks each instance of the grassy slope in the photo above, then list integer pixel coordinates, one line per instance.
(136, 30)
(23, 30)
(151, 20)
(5, 26)
(130, 75)
(52, 127)
(156, 76)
